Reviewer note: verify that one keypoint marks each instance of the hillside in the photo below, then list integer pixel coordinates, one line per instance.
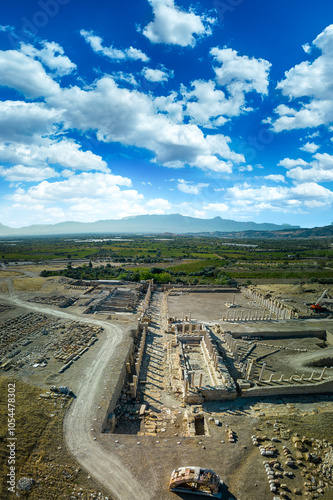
(144, 224)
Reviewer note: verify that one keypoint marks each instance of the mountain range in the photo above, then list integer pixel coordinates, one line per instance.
(172, 224)
(143, 224)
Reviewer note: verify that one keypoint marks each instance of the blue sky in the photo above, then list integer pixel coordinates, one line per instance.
(212, 108)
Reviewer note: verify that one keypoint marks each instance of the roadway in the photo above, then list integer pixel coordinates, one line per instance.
(102, 465)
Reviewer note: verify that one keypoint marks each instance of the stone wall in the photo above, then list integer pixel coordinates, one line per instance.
(216, 393)
(324, 387)
(329, 337)
(116, 390)
(321, 334)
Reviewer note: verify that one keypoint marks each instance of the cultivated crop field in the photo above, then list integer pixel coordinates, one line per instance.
(176, 259)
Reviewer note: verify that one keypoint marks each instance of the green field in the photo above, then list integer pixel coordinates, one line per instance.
(177, 259)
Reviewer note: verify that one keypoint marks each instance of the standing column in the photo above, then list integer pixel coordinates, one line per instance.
(262, 371)
(322, 373)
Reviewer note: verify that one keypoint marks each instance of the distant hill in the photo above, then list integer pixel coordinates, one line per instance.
(144, 224)
(290, 233)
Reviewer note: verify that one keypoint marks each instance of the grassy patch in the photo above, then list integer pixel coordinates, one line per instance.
(40, 452)
(28, 284)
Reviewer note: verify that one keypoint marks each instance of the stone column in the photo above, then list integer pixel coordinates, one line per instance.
(250, 369)
(262, 371)
(322, 373)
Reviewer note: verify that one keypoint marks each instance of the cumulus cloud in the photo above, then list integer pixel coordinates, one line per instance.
(96, 43)
(22, 122)
(310, 85)
(174, 26)
(20, 72)
(157, 75)
(209, 105)
(241, 73)
(290, 163)
(310, 147)
(307, 48)
(246, 168)
(189, 187)
(244, 201)
(116, 114)
(220, 208)
(27, 174)
(84, 197)
(280, 199)
(275, 177)
(65, 153)
(311, 174)
(129, 117)
(157, 206)
(51, 55)
(320, 170)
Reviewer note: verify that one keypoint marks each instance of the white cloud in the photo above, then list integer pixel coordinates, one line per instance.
(313, 135)
(210, 106)
(275, 178)
(96, 43)
(279, 199)
(311, 174)
(22, 122)
(189, 187)
(170, 105)
(289, 163)
(174, 26)
(307, 48)
(26, 75)
(217, 208)
(310, 84)
(66, 153)
(121, 76)
(157, 75)
(51, 55)
(84, 197)
(243, 202)
(27, 174)
(158, 206)
(116, 115)
(246, 168)
(310, 147)
(241, 74)
(321, 170)
(129, 117)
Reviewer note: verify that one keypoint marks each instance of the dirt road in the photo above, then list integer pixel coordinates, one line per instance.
(105, 467)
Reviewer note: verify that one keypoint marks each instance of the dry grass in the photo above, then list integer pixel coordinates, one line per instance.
(28, 284)
(9, 274)
(40, 450)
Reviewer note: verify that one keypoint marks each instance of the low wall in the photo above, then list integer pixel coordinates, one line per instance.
(116, 390)
(329, 337)
(215, 393)
(200, 289)
(324, 387)
(321, 334)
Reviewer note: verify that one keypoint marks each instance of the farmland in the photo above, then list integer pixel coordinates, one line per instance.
(62, 327)
(178, 259)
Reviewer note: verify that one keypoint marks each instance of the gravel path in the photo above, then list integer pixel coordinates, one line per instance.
(105, 467)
